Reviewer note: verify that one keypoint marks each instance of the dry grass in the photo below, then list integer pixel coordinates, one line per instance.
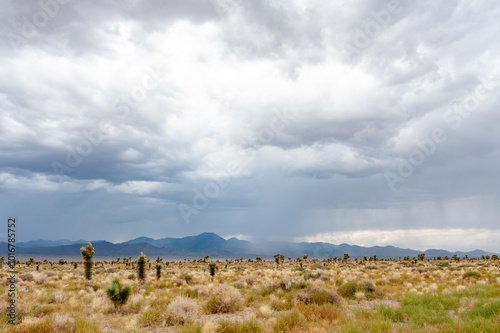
(385, 296)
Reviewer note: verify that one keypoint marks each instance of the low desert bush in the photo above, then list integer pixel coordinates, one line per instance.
(287, 321)
(471, 274)
(225, 299)
(348, 290)
(317, 295)
(182, 309)
(186, 277)
(26, 277)
(151, 318)
(235, 326)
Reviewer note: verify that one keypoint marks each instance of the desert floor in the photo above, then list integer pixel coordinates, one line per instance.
(243, 296)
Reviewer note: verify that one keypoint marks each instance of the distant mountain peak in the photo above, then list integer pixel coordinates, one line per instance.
(209, 243)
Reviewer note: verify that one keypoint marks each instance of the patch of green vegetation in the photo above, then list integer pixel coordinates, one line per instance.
(422, 309)
(471, 274)
(212, 306)
(190, 328)
(152, 317)
(286, 321)
(487, 310)
(234, 326)
(190, 293)
(347, 290)
(434, 309)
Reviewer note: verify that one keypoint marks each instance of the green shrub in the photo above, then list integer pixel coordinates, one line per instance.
(286, 321)
(366, 287)
(153, 317)
(212, 306)
(471, 274)
(348, 290)
(191, 293)
(118, 294)
(234, 326)
(319, 297)
(186, 277)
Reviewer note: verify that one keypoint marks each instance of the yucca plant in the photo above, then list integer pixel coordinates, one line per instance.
(118, 294)
(87, 253)
(158, 271)
(141, 269)
(213, 267)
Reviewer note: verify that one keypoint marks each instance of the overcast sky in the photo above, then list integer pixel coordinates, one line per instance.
(369, 123)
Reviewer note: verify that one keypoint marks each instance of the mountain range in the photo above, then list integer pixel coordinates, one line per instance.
(217, 247)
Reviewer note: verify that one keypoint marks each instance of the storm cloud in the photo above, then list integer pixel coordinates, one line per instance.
(371, 123)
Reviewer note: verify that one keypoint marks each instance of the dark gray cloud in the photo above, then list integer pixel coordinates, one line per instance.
(268, 119)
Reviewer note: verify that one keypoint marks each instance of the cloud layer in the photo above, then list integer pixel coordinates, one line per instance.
(273, 120)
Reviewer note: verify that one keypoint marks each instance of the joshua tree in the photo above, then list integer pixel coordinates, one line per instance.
(346, 256)
(158, 271)
(305, 257)
(87, 253)
(205, 258)
(118, 294)
(213, 267)
(277, 258)
(421, 256)
(141, 263)
(258, 259)
(75, 264)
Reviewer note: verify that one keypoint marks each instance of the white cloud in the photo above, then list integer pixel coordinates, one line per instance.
(453, 239)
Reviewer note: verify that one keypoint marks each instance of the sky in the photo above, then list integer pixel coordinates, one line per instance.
(367, 123)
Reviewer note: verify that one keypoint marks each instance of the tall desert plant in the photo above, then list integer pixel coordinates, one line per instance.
(158, 271)
(141, 267)
(118, 294)
(87, 253)
(213, 267)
